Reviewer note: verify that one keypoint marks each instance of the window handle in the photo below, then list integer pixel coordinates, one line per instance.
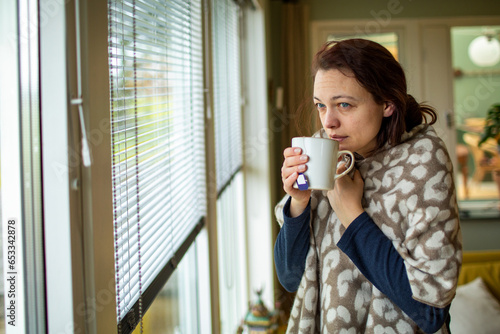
(85, 144)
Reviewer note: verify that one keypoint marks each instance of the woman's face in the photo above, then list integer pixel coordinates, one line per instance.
(348, 112)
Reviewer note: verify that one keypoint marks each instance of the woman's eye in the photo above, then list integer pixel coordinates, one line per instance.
(344, 105)
(320, 105)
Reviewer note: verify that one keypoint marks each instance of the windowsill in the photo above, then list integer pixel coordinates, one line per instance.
(479, 209)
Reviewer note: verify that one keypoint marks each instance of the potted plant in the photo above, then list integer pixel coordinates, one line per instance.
(492, 131)
(491, 125)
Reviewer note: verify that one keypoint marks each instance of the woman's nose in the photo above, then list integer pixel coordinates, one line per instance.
(331, 119)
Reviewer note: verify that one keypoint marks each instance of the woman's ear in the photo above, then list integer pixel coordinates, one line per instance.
(388, 108)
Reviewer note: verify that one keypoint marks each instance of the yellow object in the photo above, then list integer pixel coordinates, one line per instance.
(146, 324)
(485, 264)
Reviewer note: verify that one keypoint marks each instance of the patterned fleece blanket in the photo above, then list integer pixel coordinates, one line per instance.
(409, 193)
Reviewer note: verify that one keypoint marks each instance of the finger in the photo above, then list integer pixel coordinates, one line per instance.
(291, 151)
(357, 177)
(290, 181)
(287, 171)
(294, 161)
(341, 167)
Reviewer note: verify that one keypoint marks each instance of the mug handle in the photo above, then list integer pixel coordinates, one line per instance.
(351, 165)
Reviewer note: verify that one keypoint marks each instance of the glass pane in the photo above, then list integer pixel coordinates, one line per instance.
(22, 267)
(232, 256)
(476, 85)
(175, 311)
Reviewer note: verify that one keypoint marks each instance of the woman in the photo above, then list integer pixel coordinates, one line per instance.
(380, 253)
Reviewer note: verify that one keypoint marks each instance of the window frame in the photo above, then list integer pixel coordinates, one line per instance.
(90, 240)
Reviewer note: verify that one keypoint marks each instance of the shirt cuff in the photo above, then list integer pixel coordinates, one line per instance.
(351, 230)
(300, 218)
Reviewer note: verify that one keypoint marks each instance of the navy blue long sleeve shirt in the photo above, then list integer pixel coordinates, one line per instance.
(370, 250)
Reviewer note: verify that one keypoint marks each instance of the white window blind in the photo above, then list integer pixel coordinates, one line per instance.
(232, 257)
(158, 164)
(227, 90)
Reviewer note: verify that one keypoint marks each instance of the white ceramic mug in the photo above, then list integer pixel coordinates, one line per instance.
(324, 157)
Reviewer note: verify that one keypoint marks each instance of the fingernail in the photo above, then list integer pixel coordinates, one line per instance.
(301, 167)
(303, 158)
(297, 150)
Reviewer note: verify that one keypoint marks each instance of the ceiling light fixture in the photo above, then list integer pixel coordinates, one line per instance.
(485, 50)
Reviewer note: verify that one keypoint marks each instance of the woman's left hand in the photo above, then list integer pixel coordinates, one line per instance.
(345, 198)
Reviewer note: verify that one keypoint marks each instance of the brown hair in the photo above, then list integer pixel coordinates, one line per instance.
(375, 68)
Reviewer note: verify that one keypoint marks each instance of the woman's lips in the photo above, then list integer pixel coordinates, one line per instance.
(338, 138)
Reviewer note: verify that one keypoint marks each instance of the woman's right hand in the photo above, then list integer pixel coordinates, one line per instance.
(295, 163)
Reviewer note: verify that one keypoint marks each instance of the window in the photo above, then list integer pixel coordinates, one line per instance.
(227, 94)
(21, 208)
(157, 121)
(227, 90)
(133, 212)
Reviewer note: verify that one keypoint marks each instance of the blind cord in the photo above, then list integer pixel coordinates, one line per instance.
(134, 28)
(230, 220)
(113, 165)
(170, 232)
